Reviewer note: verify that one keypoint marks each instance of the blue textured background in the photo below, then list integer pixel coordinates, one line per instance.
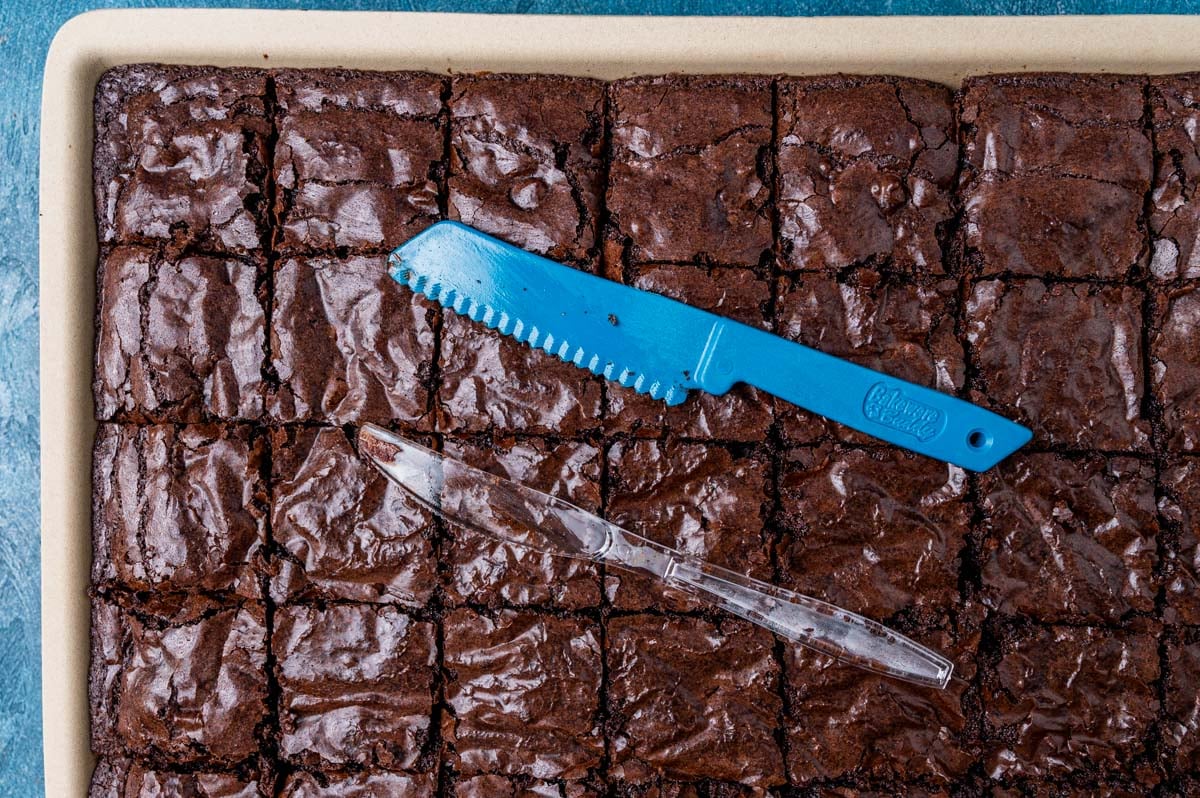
(26, 28)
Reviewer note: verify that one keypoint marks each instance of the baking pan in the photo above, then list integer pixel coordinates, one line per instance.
(937, 48)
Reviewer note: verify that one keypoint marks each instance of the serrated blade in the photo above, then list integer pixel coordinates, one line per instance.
(641, 340)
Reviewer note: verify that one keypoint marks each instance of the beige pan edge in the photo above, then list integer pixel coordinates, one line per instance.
(940, 48)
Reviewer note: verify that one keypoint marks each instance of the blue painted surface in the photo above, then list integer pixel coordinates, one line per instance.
(26, 28)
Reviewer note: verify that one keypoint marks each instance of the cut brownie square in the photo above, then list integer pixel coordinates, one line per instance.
(1175, 365)
(691, 699)
(524, 692)
(689, 178)
(344, 532)
(486, 571)
(894, 326)
(743, 414)
(1175, 214)
(1029, 339)
(1057, 168)
(349, 344)
(1180, 507)
(1090, 126)
(355, 685)
(702, 499)
(490, 381)
(875, 531)
(1182, 694)
(125, 778)
(866, 166)
(1064, 699)
(192, 692)
(369, 784)
(844, 722)
(178, 509)
(492, 786)
(526, 160)
(1070, 538)
(357, 159)
(178, 339)
(181, 157)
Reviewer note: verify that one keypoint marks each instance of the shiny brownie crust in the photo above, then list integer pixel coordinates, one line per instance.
(179, 510)
(182, 157)
(688, 176)
(1056, 171)
(357, 160)
(179, 338)
(865, 170)
(271, 617)
(177, 692)
(526, 160)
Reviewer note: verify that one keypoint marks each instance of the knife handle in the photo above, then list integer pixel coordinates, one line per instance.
(921, 419)
(812, 623)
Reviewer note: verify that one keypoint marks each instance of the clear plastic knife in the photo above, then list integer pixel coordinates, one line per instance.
(521, 516)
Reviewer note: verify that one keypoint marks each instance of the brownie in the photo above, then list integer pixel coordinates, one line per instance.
(1029, 367)
(492, 786)
(178, 339)
(1175, 212)
(1180, 508)
(1182, 701)
(1175, 365)
(875, 531)
(178, 509)
(523, 690)
(371, 784)
(1069, 538)
(742, 414)
(1075, 786)
(892, 325)
(270, 615)
(689, 177)
(486, 571)
(665, 788)
(342, 530)
(843, 722)
(349, 344)
(125, 778)
(355, 685)
(1062, 699)
(692, 699)
(181, 157)
(866, 166)
(1056, 171)
(193, 692)
(887, 790)
(357, 160)
(705, 500)
(492, 382)
(526, 160)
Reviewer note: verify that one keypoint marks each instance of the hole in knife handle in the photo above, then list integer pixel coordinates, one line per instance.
(978, 440)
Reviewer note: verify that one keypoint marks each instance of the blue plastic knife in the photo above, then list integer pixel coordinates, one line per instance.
(665, 348)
